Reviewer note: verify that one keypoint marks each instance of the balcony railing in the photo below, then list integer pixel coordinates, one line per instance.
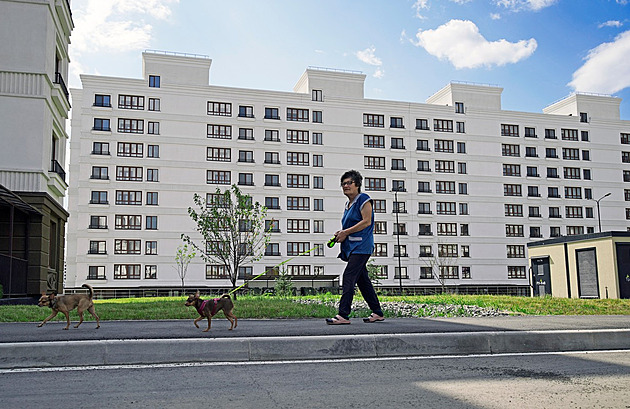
(56, 167)
(59, 80)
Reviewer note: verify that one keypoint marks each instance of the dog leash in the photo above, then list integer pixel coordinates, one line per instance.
(331, 244)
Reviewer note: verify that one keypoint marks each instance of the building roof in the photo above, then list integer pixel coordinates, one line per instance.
(9, 198)
(579, 237)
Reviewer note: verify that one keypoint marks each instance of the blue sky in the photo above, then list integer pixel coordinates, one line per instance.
(539, 51)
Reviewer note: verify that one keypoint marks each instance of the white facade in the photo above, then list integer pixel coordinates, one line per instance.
(450, 154)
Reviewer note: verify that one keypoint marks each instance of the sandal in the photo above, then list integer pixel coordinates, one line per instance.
(337, 320)
(374, 318)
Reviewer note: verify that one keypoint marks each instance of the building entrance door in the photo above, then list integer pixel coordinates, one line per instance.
(541, 276)
(623, 269)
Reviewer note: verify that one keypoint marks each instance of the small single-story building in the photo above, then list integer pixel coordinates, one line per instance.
(595, 265)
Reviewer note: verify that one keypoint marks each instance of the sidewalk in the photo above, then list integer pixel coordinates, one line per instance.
(175, 341)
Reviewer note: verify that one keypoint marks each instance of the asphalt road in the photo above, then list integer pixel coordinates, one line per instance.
(577, 380)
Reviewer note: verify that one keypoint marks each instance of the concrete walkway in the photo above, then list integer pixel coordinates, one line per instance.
(175, 341)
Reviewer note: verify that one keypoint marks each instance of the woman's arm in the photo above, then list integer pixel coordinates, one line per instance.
(366, 214)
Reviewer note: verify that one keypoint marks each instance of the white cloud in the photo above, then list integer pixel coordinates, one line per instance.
(518, 5)
(611, 23)
(461, 1)
(606, 69)
(460, 43)
(623, 2)
(420, 5)
(495, 16)
(379, 73)
(368, 57)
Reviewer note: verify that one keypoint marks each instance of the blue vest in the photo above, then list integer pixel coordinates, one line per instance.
(360, 242)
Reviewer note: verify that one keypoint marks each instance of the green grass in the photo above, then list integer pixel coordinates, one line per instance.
(161, 308)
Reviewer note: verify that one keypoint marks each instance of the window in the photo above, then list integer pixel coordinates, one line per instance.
(422, 145)
(318, 182)
(398, 186)
(552, 173)
(154, 82)
(297, 181)
(573, 212)
(512, 190)
(510, 150)
(318, 226)
(380, 250)
(373, 141)
(246, 179)
(151, 223)
(575, 230)
(423, 166)
(445, 146)
(128, 197)
(380, 205)
(534, 211)
(220, 131)
(570, 154)
(272, 249)
(445, 166)
(583, 117)
(554, 213)
(532, 171)
(219, 154)
(448, 250)
(96, 273)
(245, 111)
(509, 130)
(571, 192)
(377, 184)
(460, 127)
(100, 148)
(442, 125)
(511, 170)
(272, 203)
(272, 180)
(130, 102)
(400, 250)
(515, 251)
(298, 226)
(246, 134)
(98, 197)
(150, 272)
(461, 168)
(318, 161)
(422, 124)
(398, 143)
(398, 164)
(272, 226)
(426, 273)
(569, 134)
(449, 208)
(396, 122)
(588, 212)
(272, 113)
(514, 210)
(317, 117)
(461, 147)
(530, 132)
(380, 227)
(625, 138)
(101, 124)
(466, 272)
(97, 247)
(318, 138)
(152, 198)
(425, 251)
(100, 172)
(298, 203)
(154, 104)
(125, 246)
(128, 222)
(551, 153)
(399, 207)
(571, 173)
(297, 248)
(317, 95)
(584, 135)
(424, 229)
(515, 272)
(424, 187)
(586, 155)
(588, 193)
(530, 152)
(130, 125)
(246, 156)
(449, 272)
(374, 162)
(550, 134)
(98, 222)
(219, 177)
(216, 271)
(513, 230)
(294, 136)
(298, 158)
(459, 108)
(463, 230)
(272, 135)
(463, 208)
(153, 151)
(219, 108)
(374, 120)
(445, 187)
(101, 100)
(297, 114)
(153, 175)
(153, 128)
(447, 229)
(554, 231)
(129, 173)
(532, 191)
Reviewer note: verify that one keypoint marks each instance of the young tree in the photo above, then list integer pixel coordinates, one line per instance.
(442, 262)
(232, 230)
(183, 257)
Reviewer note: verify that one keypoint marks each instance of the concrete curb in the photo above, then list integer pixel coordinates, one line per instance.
(176, 350)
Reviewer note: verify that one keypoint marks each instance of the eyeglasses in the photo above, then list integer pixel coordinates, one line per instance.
(347, 183)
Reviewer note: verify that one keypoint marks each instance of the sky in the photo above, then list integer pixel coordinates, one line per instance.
(538, 51)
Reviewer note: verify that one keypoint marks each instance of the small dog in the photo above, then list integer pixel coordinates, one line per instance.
(208, 308)
(67, 303)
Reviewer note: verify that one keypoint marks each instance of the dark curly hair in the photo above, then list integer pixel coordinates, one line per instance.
(355, 176)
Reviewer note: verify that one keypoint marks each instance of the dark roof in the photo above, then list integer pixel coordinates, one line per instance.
(10, 199)
(579, 237)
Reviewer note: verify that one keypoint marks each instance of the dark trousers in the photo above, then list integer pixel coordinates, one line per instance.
(356, 274)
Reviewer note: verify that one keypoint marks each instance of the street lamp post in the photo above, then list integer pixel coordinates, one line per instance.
(397, 209)
(599, 218)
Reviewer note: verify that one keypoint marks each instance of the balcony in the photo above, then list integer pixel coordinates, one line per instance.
(56, 167)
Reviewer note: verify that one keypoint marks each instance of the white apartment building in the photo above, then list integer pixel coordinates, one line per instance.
(456, 181)
(34, 106)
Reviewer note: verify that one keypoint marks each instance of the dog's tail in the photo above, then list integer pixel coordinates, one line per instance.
(226, 296)
(89, 287)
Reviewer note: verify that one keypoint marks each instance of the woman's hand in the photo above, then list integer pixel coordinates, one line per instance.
(340, 236)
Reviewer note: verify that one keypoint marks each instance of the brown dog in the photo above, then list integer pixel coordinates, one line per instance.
(208, 308)
(67, 303)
